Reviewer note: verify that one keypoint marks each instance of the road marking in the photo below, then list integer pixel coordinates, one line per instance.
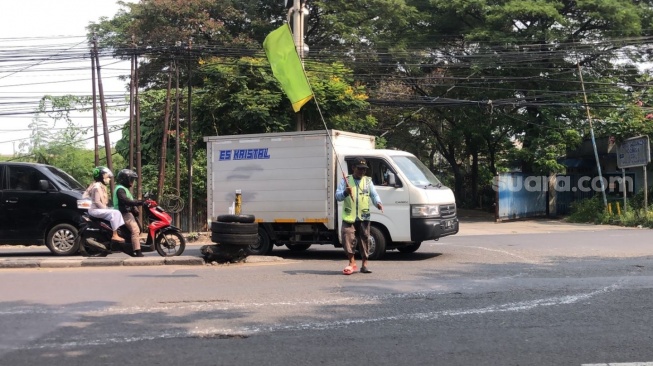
(527, 260)
(245, 331)
(619, 364)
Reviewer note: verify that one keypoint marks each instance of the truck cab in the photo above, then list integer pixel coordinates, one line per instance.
(416, 206)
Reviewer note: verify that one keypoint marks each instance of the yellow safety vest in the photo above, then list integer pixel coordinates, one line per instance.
(357, 206)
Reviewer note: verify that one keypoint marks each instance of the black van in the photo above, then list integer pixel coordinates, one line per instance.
(40, 204)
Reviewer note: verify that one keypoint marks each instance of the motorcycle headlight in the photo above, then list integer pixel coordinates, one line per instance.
(84, 204)
(424, 211)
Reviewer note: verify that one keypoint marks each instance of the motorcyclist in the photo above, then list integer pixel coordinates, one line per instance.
(126, 204)
(100, 208)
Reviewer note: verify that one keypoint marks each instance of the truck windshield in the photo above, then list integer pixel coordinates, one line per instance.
(416, 172)
(66, 180)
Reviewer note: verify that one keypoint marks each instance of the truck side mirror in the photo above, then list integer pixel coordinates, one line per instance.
(392, 180)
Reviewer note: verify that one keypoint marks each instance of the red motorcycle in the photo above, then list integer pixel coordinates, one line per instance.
(94, 238)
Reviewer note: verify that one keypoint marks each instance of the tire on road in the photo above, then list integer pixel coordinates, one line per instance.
(410, 248)
(378, 243)
(242, 218)
(262, 246)
(218, 227)
(298, 247)
(235, 239)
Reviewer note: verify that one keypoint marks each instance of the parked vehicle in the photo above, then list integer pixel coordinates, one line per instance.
(40, 205)
(288, 181)
(94, 238)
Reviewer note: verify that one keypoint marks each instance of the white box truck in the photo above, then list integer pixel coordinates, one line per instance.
(288, 181)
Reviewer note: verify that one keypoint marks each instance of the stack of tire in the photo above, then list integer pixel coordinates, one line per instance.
(234, 234)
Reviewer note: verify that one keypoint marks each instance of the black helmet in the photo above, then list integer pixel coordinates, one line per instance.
(126, 177)
(99, 172)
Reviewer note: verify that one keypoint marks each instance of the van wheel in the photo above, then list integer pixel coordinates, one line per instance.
(61, 240)
(410, 248)
(377, 243)
(263, 245)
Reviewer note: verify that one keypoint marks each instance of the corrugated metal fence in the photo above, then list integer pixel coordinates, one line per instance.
(520, 195)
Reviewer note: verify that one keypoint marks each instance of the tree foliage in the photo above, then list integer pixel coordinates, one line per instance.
(472, 87)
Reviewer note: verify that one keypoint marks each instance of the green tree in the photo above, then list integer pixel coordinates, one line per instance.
(499, 74)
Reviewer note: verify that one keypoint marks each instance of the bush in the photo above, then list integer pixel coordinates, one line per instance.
(636, 217)
(592, 211)
(589, 210)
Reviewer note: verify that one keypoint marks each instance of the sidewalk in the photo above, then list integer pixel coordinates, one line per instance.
(474, 222)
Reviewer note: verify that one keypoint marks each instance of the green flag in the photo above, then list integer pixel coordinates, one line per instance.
(287, 67)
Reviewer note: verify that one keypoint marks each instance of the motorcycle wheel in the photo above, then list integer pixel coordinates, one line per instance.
(170, 244)
(88, 250)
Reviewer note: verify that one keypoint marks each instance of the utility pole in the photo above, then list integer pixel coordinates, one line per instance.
(103, 109)
(95, 132)
(190, 136)
(164, 143)
(299, 12)
(177, 142)
(130, 165)
(137, 138)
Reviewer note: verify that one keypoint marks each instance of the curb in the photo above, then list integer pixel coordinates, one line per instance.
(101, 262)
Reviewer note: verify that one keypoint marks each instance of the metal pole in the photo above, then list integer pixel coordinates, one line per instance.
(297, 26)
(589, 119)
(645, 189)
(298, 38)
(623, 185)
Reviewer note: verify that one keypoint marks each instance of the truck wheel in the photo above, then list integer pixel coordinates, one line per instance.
(218, 227)
(263, 245)
(410, 248)
(377, 243)
(61, 240)
(298, 247)
(245, 219)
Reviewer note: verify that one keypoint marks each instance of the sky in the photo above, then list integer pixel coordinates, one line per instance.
(31, 29)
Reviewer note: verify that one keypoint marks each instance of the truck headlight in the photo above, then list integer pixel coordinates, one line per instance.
(84, 204)
(424, 211)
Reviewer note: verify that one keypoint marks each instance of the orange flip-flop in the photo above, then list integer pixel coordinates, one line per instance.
(349, 270)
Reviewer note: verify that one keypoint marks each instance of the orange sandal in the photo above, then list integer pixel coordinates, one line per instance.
(349, 270)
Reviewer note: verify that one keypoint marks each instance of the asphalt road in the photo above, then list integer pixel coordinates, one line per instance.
(549, 298)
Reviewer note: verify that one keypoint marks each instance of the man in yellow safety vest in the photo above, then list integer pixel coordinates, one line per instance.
(356, 191)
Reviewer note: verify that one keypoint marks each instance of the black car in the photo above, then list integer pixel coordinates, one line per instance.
(40, 204)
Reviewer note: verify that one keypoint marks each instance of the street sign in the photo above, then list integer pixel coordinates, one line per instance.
(633, 152)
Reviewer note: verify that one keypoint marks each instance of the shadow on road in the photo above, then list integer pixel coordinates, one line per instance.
(338, 254)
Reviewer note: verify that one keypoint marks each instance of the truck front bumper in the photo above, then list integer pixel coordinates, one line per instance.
(422, 229)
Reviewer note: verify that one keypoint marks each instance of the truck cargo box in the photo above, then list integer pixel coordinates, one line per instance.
(283, 177)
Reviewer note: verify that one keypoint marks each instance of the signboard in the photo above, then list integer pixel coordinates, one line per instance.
(633, 152)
